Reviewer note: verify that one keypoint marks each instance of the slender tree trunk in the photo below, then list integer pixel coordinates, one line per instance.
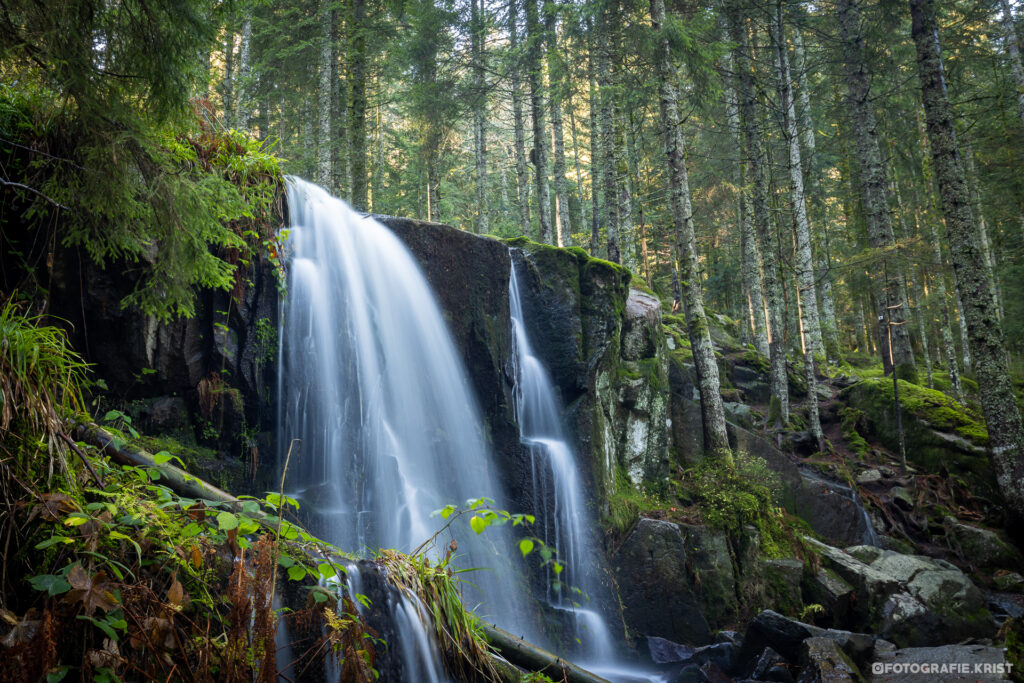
(979, 214)
(595, 151)
(242, 105)
(712, 410)
(985, 335)
(229, 77)
(917, 289)
(577, 218)
(627, 236)
(357, 104)
(829, 324)
(478, 22)
(750, 259)
(539, 154)
(1013, 51)
(522, 173)
(325, 141)
(875, 194)
(556, 75)
(761, 217)
(810, 324)
(605, 115)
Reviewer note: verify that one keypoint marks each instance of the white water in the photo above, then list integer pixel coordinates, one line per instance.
(560, 505)
(372, 387)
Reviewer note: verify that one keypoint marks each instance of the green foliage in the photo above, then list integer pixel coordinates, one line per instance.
(109, 155)
(627, 503)
(744, 494)
(41, 377)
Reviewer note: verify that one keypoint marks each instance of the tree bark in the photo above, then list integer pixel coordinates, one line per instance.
(605, 114)
(595, 151)
(750, 259)
(761, 216)
(715, 437)
(522, 173)
(556, 75)
(875, 196)
(1013, 51)
(985, 335)
(477, 24)
(810, 324)
(244, 87)
(325, 137)
(357, 104)
(539, 154)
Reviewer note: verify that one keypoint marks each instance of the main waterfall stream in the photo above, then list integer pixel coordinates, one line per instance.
(388, 431)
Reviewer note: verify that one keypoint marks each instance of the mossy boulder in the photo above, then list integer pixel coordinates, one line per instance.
(981, 547)
(939, 432)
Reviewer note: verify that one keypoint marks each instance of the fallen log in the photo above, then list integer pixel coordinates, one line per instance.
(175, 478)
(532, 658)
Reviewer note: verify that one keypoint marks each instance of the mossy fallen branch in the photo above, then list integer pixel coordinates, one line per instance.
(532, 658)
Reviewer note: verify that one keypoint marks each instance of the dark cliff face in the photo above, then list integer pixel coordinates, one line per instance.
(205, 380)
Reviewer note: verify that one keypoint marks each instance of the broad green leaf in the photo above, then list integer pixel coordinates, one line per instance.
(51, 583)
(53, 540)
(478, 524)
(226, 521)
(296, 572)
(525, 546)
(326, 570)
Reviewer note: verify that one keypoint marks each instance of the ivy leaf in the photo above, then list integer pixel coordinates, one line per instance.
(226, 521)
(525, 546)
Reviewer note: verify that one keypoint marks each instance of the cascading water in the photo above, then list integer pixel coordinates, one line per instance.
(374, 391)
(559, 502)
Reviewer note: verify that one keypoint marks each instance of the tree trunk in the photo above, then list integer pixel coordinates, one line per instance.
(810, 324)
(577, 219)
(595, 153)
(325, 137)
(539, 154)
(979, 214)
(1013, 50)
(761, 217)
(627, 232)
(712, 410)
(985, 336)
(605, 113)
(229, 77)
(556, 75)
(477, 23)
(750, 259)
(522, 173)
(244, 87)
(357, 104)
(875, 195)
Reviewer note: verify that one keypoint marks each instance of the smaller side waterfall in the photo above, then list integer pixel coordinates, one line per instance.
(560, 504)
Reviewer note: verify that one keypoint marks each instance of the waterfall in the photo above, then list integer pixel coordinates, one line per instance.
(373, 389)
(560, 504)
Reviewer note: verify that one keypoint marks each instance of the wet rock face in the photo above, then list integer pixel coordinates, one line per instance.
(650, 567)
(227, 351)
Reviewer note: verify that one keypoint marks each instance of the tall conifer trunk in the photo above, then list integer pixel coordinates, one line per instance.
(539, 154)
(891, 299)
(712, 410)
(984, 334)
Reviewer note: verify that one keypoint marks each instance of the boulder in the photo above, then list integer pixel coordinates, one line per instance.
(823, 661)
(947, 663)
(711, 568)
(648, 568)
(981, 547)
(835, 595)
(782, 579)
(833, 510)
(771, 666)
(909, 599)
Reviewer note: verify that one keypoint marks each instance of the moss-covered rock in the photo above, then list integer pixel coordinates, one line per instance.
(940, 433)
